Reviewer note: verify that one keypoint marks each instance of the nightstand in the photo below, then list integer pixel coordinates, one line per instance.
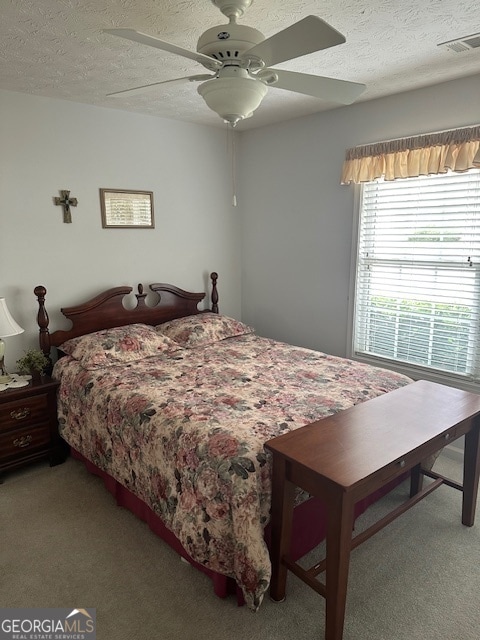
(28, 426)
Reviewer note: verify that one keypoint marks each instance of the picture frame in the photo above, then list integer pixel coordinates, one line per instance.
(126, 209)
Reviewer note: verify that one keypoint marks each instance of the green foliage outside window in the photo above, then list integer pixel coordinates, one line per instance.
(421, 332)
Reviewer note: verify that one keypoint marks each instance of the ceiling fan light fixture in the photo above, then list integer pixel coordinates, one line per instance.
(233, 98)
(241, 58)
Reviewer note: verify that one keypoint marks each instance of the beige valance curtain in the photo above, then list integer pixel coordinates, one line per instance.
(457, 150)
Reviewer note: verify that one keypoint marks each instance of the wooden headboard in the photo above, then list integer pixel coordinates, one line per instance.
(106, 310)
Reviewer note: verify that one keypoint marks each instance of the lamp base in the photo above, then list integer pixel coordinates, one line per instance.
(4, 376)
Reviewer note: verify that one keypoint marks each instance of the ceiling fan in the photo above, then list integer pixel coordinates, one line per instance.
(239, 59)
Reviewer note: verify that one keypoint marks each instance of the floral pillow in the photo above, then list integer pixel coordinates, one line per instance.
(202, 329)
(119, 345)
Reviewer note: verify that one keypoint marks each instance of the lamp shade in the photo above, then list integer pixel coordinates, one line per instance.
(8, 326)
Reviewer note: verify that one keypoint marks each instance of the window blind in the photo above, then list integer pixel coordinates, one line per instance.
(417, 297)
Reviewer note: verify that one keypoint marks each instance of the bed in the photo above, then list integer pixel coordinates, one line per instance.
(172, 405)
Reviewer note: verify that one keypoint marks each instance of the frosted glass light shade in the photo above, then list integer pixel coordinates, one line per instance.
(233, 98)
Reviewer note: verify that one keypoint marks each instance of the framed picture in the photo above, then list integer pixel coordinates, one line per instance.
(126, 209)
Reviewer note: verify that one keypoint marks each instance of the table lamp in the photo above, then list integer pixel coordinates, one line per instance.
(8, 327)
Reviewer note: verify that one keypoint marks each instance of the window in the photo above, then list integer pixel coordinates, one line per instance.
(417, 285)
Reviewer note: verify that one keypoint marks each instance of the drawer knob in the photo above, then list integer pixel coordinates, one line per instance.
(401, 463)
(22, 442)
(447, 436)
(20, 414)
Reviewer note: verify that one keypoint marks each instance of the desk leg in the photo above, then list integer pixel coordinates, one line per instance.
(283, 493)
(471, 473)
(416, 480)
(339, 541)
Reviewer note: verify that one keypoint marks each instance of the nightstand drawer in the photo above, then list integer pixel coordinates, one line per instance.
(27, 410)
(20, 441)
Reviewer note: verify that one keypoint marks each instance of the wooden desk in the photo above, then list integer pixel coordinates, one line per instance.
(349, 455)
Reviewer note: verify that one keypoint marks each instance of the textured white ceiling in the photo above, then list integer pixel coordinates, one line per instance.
(56, 48)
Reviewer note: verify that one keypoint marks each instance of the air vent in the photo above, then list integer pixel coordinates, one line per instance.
(463, 44)
(225, 55)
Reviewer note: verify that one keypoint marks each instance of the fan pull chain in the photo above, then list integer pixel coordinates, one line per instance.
(232, 150)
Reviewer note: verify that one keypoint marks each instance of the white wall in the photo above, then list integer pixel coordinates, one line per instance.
(297, 232)
(48, 145)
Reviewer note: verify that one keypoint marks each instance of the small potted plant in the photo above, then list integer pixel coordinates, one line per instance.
(33, 363)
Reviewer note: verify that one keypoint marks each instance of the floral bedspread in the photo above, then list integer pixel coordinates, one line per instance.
(185, 432)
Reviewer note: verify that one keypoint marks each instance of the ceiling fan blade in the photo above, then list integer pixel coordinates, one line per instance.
(306, 36)
(329, 89)
(143, 38)
(155, 84)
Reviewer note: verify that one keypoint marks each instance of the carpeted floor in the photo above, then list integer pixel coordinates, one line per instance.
(64, 543)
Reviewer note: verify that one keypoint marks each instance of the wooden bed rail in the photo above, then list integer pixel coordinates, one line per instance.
(106, 310)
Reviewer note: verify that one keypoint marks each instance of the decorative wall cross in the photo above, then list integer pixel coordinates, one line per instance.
(66, 202)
